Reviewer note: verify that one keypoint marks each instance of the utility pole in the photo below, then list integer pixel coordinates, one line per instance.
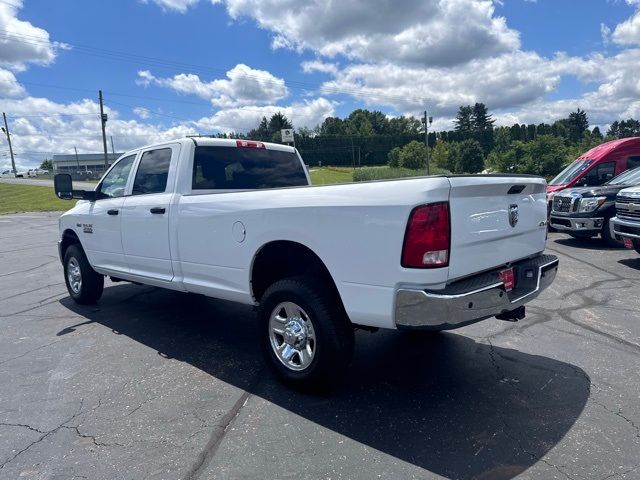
(77, 160)
(427, 121)
(113, 150)
(103, 119)
(6, 130)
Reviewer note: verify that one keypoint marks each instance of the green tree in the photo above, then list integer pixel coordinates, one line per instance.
(440, 155)
(413, 155)
(467, 157)
(507, 160)
(394, 157)
(578, 123)
(544, 156)
(47, 165)
(596, 133)
(358, 123)
(404, 126)
(261, 132)
(481, 118)
(379, 122)
(464, 120)
(624, 129)
(333, 126)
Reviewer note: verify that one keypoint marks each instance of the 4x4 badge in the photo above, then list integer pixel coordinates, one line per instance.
(513, 214)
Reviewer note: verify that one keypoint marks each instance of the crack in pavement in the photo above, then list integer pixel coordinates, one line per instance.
(29, 427)
(28, 352)
(219, 431)
(30, 269)
(506, 429)
(45, 435)
(620, 474)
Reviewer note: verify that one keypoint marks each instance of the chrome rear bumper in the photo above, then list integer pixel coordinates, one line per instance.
(473, 299)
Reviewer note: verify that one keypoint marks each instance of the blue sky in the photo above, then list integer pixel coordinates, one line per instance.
(175, 67)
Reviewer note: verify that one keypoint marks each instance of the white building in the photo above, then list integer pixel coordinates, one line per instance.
(83, 162)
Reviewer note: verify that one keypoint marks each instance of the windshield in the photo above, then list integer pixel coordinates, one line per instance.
(630, 177)
(572, 172)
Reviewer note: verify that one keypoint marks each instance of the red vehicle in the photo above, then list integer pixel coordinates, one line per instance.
(598, 165)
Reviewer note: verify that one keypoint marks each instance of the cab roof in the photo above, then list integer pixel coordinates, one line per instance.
(606, 149)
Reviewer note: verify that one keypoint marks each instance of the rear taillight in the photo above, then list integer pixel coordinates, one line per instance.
(249, 144)
(428, 237)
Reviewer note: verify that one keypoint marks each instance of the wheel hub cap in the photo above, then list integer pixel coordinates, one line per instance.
(74, 275)
(292, 336)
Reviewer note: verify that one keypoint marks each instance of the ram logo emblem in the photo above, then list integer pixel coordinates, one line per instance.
(513, 215)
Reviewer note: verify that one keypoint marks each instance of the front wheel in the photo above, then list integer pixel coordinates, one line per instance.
(83, 283)
(307, 338)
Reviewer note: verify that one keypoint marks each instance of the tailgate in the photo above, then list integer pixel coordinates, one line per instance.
(495, 220)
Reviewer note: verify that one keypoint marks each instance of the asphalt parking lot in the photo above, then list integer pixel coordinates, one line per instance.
(152, 384)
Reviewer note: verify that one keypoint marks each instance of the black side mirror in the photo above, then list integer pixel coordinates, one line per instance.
(63, 186)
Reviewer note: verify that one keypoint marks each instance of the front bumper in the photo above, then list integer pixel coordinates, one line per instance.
(473, 299)
(626, 228)
(568, 224)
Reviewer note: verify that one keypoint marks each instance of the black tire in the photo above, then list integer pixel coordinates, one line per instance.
(332, 331)
(608, 236)
(89, 290)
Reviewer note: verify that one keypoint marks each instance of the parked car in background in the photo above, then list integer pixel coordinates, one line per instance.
(626, 223)
(239, 220)
(41, 172)
(7, 174)
(22, 174)
(597, 166)
(587, 211)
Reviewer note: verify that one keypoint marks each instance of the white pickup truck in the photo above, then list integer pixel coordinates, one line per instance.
(239, 220)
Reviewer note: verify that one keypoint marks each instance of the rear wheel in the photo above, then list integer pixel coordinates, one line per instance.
(307, 338)
(609, 236)
(83, 283)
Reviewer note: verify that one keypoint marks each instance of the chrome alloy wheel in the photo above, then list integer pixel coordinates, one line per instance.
(292, 336)
(74, 275)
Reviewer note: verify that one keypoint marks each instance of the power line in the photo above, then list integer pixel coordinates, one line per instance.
(55, 115)
(169, 64)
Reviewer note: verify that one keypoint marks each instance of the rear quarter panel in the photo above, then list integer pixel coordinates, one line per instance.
(357, 230)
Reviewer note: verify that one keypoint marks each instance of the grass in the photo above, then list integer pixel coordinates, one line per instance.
(366, 174)
(328, 175)
(29, 198)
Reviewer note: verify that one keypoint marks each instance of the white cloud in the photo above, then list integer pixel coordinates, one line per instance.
(9, 86)
(21, 42)
(59, 127)
(180, 6)
(243, 86)
(628, 32)
(304, 114)
(142, 112)
(419, 32)
(501, 82)
(319, 66)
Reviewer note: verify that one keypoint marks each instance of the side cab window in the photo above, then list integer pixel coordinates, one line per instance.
(113, 185)
(599, 174)
(633, 162)
(152, 172)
